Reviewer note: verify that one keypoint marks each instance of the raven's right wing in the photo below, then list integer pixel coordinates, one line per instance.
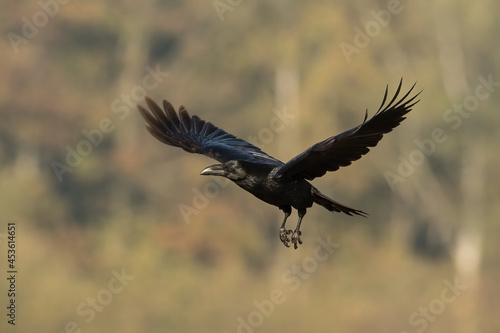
(341, 150)
(198, 136)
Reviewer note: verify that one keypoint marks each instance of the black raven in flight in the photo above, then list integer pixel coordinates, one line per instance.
(280, 184)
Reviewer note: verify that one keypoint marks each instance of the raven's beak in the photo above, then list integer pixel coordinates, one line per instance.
(213, 170)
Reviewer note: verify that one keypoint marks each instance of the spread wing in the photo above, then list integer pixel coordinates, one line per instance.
(198, 136)
(340, 150)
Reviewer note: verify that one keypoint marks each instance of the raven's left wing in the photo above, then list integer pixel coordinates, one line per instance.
(340, 150)
(195, 135)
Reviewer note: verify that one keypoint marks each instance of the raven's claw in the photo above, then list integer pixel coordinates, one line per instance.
(285, 236)
(296, 238)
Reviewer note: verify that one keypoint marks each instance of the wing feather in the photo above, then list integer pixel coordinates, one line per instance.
(195, 135)
(341, 150)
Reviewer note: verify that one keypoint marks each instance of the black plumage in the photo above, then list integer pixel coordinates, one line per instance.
(280, 184)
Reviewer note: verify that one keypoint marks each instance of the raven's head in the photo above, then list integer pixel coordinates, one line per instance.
(233, 170)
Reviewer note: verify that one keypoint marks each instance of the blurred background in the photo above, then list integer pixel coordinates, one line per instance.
(117, 232)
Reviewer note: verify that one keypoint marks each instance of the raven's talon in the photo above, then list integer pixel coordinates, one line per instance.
(284, 236)
(296, 239)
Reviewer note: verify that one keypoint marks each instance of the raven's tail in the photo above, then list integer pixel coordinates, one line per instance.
(333, 205)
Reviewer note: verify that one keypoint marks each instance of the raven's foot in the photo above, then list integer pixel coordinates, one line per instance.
(296, 238)
(285, 236)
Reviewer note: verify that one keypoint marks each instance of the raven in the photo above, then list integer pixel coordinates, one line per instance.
(280, 184)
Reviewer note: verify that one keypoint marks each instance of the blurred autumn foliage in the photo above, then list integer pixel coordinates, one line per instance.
(94, 195)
